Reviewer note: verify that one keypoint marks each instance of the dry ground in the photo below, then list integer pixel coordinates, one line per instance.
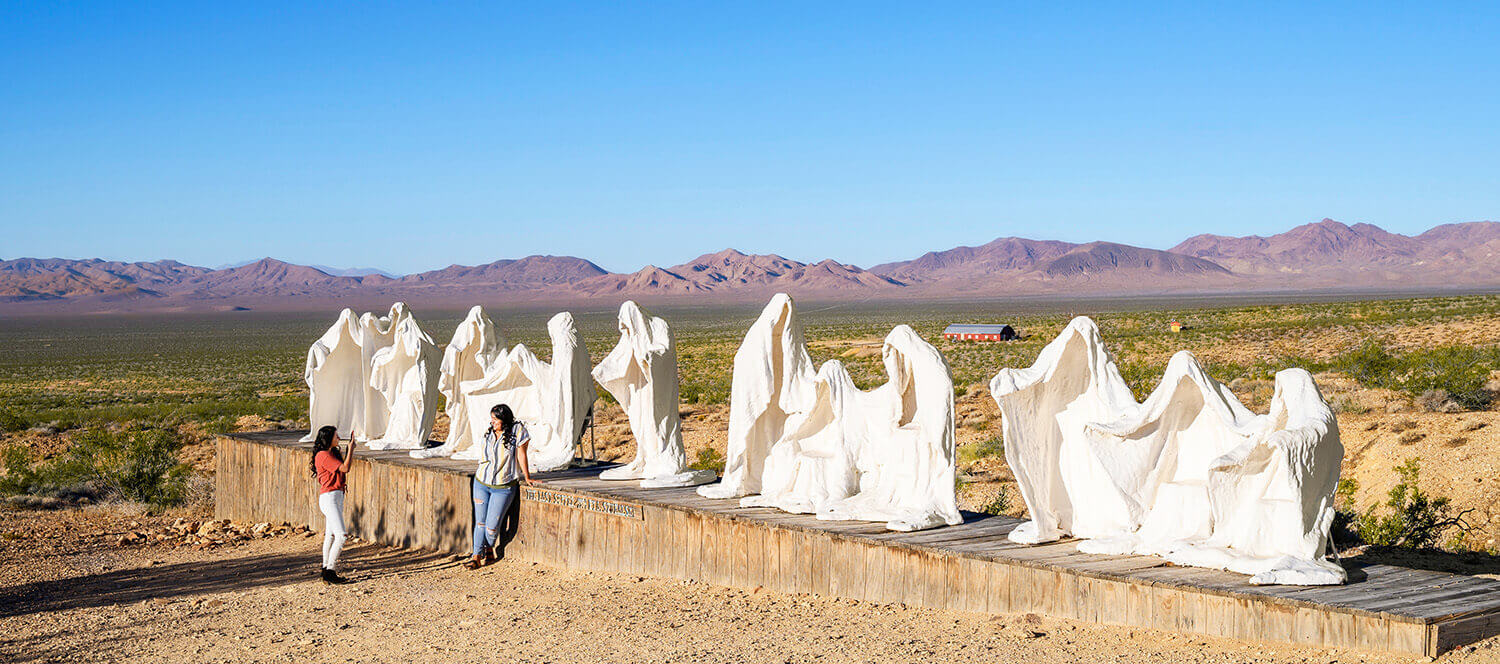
(68, 593)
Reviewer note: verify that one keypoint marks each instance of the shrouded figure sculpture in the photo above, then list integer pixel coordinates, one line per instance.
(1190, 474)
(552, 399)
(906, 462)
(1223, 487)
(335, 377)
(406, 375)
(641, 373)
(812, 464)
(1044, 408)
(376, 333)
(773, 377)
(476, 346)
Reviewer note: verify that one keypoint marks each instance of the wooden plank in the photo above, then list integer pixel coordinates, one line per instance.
(820, 552)
(1461, 632)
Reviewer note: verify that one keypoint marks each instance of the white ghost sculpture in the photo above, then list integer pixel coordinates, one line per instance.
(335, 378)
(641, 373)
(1190, 474)
(551, 399)
(812, 465)
(406, 375)
(906, 467)
(772, 378)
(376, 334)
(1223, 487)
(1044, 409)
(477, 345)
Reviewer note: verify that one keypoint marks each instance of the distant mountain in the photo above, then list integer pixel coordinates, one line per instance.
(1327, 255)
(733, 271)
(1331, 253)
(1007, 255)
(353, 271)
(528, 271)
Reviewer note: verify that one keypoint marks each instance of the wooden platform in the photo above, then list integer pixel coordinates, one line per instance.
(580, 521)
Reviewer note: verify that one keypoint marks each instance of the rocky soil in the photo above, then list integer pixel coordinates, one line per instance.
(70, 592)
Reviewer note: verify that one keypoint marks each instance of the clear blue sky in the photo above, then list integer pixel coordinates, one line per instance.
(411, 138)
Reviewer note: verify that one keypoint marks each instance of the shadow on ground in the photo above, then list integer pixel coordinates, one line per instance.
(180, 580)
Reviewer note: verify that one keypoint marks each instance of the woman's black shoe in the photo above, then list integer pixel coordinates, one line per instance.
(332, 577)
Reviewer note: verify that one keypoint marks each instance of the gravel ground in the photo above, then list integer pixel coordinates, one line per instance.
(70, 593)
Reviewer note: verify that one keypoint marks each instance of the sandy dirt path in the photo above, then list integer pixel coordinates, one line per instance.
(69, 594)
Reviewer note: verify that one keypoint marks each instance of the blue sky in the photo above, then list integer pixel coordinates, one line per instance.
(410, 138)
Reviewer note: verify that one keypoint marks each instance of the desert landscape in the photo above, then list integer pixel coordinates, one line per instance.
(1413, 382)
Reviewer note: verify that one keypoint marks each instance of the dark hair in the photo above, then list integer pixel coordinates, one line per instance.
(507, 421)
(323, 443)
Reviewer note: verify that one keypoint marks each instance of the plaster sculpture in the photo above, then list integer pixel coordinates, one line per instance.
(773, 377)
(406, 376)
(476, 346)
(335, 377)
(1044, 409)
(812, 465)
(552, 399)
(1219, 486)
(1190, 474)
(641, 373)
(906, 465)
(375, 334)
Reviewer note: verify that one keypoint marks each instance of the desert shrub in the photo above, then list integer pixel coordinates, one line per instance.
(1000, 503)
(708, 459)
(12, 421)
(1444, 379)
(968, 454)
(1410, 519)
(136, 464)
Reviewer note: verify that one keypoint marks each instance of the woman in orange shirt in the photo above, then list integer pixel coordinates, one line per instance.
(329, 465)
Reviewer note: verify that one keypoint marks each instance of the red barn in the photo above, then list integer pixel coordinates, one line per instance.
(980, 333)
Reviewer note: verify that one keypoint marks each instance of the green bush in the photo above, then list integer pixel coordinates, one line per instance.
(1000, 503)
(1459, 372)
(1411, 519)
(11, 421)
(136, 464)
(968, 454)
(709, 459)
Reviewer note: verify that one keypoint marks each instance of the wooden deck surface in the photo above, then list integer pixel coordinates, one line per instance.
(1423, 612)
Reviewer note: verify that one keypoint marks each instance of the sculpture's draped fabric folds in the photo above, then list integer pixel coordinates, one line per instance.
(1044, 409)
(906, 464)
(552, 399)
(376, 334)
(406, 375)
(812, 465)
(1190, 474)
(641, 373)
(1273, 495)
(335, 377)
(1158, 455)
(773, 377)
(477, 345)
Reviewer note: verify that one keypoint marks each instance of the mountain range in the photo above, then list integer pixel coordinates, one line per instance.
(1327, 256)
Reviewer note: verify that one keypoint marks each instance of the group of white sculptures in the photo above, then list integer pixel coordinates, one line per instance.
(1189, 474)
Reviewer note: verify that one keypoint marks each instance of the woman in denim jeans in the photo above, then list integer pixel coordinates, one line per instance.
(502, 467)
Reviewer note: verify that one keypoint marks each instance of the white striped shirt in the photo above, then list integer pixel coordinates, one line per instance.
(497, 460)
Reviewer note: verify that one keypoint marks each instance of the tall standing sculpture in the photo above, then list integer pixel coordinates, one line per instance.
(907, 463)
(335, 377)
(375, 334)
(406, 375)
(1045, 407)
(476, 346)
(773, 377)
(641, 373)
(552, 399)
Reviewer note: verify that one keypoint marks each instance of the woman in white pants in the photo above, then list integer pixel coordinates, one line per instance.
(329, 465)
